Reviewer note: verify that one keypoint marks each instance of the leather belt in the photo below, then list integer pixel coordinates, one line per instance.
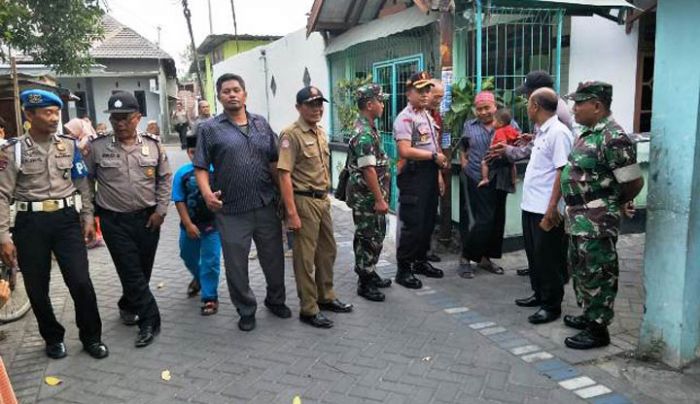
(48, 205)
(312, 194)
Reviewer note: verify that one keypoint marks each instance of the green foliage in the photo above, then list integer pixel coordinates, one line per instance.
(345, 105)
(58, 33)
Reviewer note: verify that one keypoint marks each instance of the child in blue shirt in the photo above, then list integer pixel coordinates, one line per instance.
(200, 244)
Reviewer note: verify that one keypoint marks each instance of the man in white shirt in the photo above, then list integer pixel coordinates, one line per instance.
(543, 229)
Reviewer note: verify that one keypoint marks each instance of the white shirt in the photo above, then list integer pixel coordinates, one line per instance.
(551, 147)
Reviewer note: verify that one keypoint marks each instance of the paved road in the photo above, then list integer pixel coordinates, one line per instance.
(455, 341)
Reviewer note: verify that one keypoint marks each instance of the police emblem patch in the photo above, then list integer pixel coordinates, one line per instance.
(34, 98)
(118, 104)
(285, 143)
(150, 172)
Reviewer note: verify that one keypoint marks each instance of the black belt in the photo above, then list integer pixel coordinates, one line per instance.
(580, 200)
(312, 194)
(135, 213)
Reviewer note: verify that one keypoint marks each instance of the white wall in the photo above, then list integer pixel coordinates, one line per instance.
(286, 60)
(601, 50)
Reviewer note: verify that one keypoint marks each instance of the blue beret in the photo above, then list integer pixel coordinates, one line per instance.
(39, 99)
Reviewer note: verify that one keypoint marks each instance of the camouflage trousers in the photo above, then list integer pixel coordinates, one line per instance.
(370, 230)
(595, 271)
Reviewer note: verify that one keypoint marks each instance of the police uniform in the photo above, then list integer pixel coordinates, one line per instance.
(602, 158)
(304, 153)
(133, 182)
(417, 181)
(365, 150)
(43, 179)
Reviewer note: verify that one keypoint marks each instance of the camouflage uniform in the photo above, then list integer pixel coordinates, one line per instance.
(365, 150)
(602, 158)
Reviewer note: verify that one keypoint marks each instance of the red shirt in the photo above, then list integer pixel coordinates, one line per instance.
(506, 134)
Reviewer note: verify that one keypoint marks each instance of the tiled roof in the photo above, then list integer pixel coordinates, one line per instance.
(122, 42)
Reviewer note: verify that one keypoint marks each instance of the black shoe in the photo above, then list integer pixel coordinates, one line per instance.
(531, 301)
(56, 350)
(424, 268)
(432, 257)
(594, 336)
(318, 320)
(543, 316)
(128, 318)
(405, 277)
(577, 322)
(379, 281)
(146, 336)
(97, 350)
(280, 310)
(193, 288)
(247, 323)
(335, 306)
(523, 272)
(367, 289)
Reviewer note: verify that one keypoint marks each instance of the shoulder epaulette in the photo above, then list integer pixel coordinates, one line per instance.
(8, 143)
(100, 135)
(150, 136)
(66, 136)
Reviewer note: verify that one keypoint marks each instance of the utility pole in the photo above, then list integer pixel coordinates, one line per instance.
(188, 14)
(446, 24)
(235, 27)
(211, 24)
(158, 41)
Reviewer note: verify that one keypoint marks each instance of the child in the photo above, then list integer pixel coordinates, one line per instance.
(505, 133)
(200, 245)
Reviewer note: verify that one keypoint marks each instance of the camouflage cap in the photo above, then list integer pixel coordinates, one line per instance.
(589, 90)
(370, 91)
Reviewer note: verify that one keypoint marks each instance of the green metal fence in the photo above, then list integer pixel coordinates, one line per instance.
(506, 43)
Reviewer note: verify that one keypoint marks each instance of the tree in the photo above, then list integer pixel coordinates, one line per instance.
(58, 33)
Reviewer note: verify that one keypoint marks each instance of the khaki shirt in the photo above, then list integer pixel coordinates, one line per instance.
(130, 178)
(41, 175)
(304, 153)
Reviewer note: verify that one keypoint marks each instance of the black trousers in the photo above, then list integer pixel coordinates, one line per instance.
(133, 250)
(483, 236)
(418, 202)
(36, 236)
(546, 255)
(181, 129)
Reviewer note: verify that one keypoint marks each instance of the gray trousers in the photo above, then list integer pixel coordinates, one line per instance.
(264, 227)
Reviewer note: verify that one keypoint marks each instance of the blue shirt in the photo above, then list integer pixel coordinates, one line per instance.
(185, 190)
(241, 161)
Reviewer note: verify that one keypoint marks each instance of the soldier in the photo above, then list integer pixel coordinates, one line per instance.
(599, 181)
(304, 178)
(368, 191)
(421, 159)
(41, 171)
(133, 191)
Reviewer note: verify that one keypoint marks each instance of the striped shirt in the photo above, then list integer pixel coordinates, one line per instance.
(476, 141)
(241, 162)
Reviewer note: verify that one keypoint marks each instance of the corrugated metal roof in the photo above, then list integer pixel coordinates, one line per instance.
(340, 15)
(380, 28)
(214, 40)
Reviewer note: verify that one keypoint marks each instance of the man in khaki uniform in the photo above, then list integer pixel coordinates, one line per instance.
(41, 171)
(304, 183)
(133, 191)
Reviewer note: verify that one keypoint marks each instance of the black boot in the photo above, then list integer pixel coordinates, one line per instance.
(425, 268)
(577, 322)
(594, 336)
(379, 281)
(405, 277)
(367, 289)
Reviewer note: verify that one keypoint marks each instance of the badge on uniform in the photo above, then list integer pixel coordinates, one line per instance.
(285, 143)
(60, 146)
(145, 150)
(150, 172)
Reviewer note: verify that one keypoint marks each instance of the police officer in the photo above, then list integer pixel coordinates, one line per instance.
(304, 182)
(368, 191)
(41, 171)
(599, 181)
(133, 190)
(420, 160)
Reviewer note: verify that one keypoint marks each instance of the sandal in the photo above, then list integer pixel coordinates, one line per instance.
(193, 288)
(210, 308)
(493, 268)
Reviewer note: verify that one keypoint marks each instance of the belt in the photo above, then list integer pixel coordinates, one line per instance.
(134, 213)
(312, 194)
(48, 205)
(582, 200)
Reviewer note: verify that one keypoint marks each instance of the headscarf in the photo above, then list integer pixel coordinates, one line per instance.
(484, 96)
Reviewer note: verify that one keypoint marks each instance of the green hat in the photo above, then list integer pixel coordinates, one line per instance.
(369, 91)
(589, 90)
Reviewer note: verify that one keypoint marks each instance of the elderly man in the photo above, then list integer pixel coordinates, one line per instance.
(203, 114)
(601, 178)
(543, 230)
(482, 235)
